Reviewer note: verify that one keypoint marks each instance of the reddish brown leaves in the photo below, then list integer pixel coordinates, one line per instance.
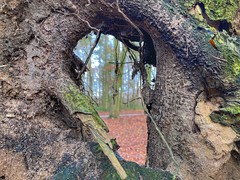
(130, 131)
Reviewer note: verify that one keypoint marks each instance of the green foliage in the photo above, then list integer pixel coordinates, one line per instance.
(219, 9)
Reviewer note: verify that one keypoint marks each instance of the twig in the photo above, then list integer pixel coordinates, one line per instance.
(160, 134)
(120, 62)
(79, 18)
(132, 100)
(220, 59)
(90, 53)
(89, 25)
(4, 65)
(135, 26)
(141, 38)
(132, 55)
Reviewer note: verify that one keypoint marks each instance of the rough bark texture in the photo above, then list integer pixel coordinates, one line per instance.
(36, 40)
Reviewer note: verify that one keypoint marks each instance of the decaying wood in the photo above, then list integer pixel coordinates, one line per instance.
(106, 147)
(36, 41)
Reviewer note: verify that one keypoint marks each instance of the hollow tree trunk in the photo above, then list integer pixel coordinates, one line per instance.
(37, 38)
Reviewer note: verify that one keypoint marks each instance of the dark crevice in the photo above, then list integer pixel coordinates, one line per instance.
(64, 116)
(195, 127)
(211, 88)
(78, 131)
(236, 156)
(127, 34)
(219, 25)
(238, 145)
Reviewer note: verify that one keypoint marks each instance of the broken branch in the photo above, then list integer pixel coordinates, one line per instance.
(1, 66)
(160, 134)
(220, 59)
(132, 100)
(135, 26)
(120, 62)
(90, 53)
(89, 25)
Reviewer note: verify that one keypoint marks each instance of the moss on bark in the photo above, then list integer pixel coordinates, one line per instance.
(218, 9)
(228, 116)
(77, 101)
(133, 170)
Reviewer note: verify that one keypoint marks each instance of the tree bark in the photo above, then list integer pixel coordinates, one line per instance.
(38, 132)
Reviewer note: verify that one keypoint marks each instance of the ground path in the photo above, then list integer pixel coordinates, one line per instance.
(130, 130)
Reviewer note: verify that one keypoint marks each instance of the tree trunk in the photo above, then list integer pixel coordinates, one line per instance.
(120, 59)
(44, 139)
(106, 76)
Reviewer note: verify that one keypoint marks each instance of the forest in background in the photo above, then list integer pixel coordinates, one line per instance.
(109, 79)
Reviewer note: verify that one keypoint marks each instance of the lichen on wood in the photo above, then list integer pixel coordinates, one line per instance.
(78, 102)
(81, 106)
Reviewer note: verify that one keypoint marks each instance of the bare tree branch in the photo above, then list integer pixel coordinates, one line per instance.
(135, 26)
(79, 18)
(160, 135)
(120, 62)
(89, 25)
(137, 98)
(90, 53)
(220, 59)
(1, 66)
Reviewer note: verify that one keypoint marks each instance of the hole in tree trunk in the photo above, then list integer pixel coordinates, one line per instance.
(107, 78)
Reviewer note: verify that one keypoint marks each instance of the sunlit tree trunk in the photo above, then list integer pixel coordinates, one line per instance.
(120, 58)
(90, 72)
(106, 74)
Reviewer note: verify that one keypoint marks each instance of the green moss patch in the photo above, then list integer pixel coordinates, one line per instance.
(78, 102)
(233, 110)
(69, 171)
(133, 170)
(228, 116)
(136, 172)
(218, 9)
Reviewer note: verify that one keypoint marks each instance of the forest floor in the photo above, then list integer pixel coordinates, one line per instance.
(130, 131)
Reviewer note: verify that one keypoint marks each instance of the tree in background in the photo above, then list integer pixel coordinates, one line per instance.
(120, 59)
(109, 78)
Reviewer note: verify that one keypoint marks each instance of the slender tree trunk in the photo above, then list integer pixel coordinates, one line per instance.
(106, 75)
(120, 54)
